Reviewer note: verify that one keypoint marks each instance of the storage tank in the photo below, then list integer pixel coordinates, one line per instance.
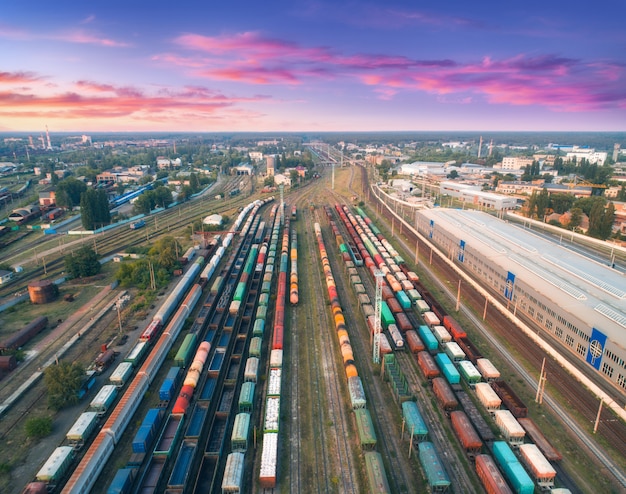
(42, 291)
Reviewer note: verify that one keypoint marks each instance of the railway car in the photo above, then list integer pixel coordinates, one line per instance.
(436, 476)
(365, 429)
(510, 400)
(427, 365)
(274, 382)
(428, 338)
(453, 327)
(422, 306)
(469, 373)
(447, 368)
(122, 481)
(104, 399)
(454, 353)
(396, 337)
(376, 476)
(82, 429)
(170, 383)
(441, 334)
(57, 464)
(145, 435)
(537, 437)
(414, 342)
(466, 433)
(269, 461)
(169, 435)
(488, 397)
(472, 353)
(444, 394)
(415, 425)
(240, 433)
(510, 428)
(480, 424)
(151, 331)
(246, 397)
(537, 464)
(136, 354)
(185, 351)
(431, 320)
(357, 393)
(487, 370)
(403, 322)
(513, 470)
(490, 476)
(121, 374)
(25, 334)
(232, 481)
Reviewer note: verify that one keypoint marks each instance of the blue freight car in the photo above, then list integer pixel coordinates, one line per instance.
(447, 368)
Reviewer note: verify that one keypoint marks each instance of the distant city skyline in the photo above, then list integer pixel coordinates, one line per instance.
(312, 66)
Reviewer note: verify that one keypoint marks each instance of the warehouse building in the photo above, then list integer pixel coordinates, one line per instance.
(578, 302)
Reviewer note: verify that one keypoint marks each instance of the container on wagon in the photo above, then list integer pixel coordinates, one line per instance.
(121, 374)
(414, 342)
(82, 428)
(510, 427)
(103, 399)
(357, 394)
(469, 373)
(246, 397)
(487, 370)
(274, 382)
(241, 431)
(441, 334)
(488, 397)
(415, 425)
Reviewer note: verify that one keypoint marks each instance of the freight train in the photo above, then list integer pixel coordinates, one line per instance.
(87, 471)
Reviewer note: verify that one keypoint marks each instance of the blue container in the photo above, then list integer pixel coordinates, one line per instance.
(428, 338)
(403, 298)
(169, 384)
(143, 439)
(447, 368)
(153, 418)
(122, 482)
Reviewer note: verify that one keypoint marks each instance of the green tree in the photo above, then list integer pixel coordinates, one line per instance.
(38, 427)
(83, 263)
(162, 196)
(143, 204)
(453, 174)
(63, 381)
(561, 202)
(165, 253)
(576, 216)
(68, 192)
(194, 183)
(87, 210)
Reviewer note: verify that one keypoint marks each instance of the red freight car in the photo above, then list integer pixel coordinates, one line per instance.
(466, 433)
(427, 364)
(453, 327)
(510, 400)
(490, 476)
(444, 394)
(413, 341)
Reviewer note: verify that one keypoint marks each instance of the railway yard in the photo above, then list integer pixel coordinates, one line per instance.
(257, 370)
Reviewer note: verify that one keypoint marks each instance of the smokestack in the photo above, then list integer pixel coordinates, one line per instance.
(48, 138)
(480, 146)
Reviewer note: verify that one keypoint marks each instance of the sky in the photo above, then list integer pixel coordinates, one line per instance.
(274, 65)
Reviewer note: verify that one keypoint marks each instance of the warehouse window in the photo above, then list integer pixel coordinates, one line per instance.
(531, 311)
(607, 369)
(569, 340)
(621, 380)
(539, 317)
(549, 325)
(559, 332)
(581, 349)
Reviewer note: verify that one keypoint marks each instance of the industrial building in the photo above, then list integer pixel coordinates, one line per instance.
(578, 302)
(474, 195)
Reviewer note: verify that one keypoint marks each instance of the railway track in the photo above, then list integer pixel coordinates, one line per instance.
(332, 444)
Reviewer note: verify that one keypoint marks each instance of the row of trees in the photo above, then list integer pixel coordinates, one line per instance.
(601, 213)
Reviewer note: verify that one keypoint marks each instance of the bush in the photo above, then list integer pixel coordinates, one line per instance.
(38, 427)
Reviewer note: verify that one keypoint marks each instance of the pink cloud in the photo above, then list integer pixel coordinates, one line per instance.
(104, 101)
(556, 82)
(18, 77)
(84, 37)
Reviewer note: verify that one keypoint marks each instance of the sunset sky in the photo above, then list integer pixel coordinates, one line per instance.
(323, 65)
